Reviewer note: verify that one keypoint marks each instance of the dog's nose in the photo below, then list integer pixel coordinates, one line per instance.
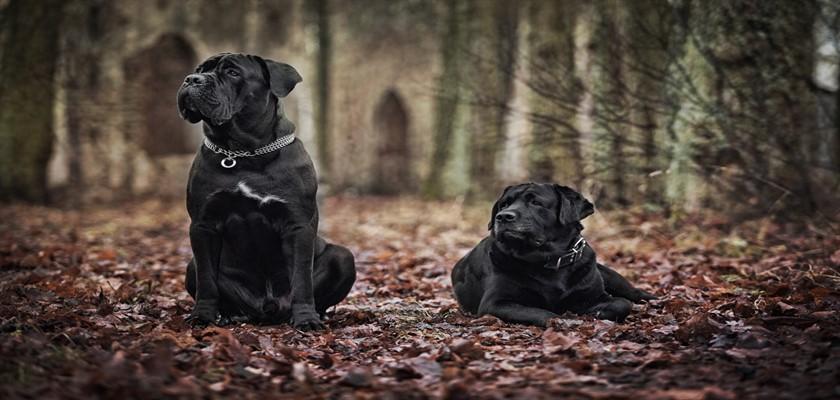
(194, 79)
(506, 216)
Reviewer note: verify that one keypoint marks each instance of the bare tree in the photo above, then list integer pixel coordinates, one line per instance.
(27, 69)
(689, 103)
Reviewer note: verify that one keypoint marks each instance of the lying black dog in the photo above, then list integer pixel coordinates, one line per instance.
(535, 264)
(251, 197)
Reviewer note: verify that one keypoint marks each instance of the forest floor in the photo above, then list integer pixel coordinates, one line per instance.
(92, 305)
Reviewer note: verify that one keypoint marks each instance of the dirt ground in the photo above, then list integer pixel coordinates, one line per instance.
(92, 304)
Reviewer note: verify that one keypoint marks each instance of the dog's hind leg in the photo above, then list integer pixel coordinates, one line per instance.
(333, 275)
(617, 285)
(613, 309)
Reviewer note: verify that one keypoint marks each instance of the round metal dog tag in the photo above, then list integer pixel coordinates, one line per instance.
(228, 162)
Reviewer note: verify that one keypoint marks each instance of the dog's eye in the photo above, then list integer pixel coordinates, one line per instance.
(536, 203)
(232, 73)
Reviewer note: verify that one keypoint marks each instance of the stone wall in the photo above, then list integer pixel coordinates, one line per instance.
(119, 134)
(380, 55)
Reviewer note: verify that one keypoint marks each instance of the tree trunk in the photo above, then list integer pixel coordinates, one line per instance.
(491, 79)
(831, 19)
(446, 107)
(760, 54)
(649, 28)
(27, 90)
(554, 152)
(610, 114)
(323, 85)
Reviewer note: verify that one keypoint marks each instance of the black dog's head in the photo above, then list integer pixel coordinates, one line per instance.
(227, 84)
(534, 218)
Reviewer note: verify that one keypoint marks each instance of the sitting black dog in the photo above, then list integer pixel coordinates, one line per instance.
(535, 264)
(251, 197)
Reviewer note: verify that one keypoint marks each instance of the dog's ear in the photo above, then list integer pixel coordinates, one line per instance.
(572, 207)
(209, 63)
(281, 77)
(496, 207)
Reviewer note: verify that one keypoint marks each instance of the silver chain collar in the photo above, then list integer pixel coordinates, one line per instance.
(230, 156)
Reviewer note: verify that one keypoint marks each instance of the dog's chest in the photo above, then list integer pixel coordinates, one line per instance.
(553, 284)
(288, 179)
(261, 196)
(247, 199)
(567, 284)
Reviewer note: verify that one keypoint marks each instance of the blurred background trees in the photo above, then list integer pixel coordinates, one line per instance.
(29, 41)
(670, 106)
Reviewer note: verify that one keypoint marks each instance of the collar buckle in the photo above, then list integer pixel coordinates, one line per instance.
(573, 255)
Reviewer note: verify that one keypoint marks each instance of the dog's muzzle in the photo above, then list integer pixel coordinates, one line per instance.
(186, 105)
(519, 235)
(197, 100)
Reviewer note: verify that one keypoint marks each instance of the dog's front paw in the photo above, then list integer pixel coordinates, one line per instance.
(305, 318)
(226, 320)
(204, 313)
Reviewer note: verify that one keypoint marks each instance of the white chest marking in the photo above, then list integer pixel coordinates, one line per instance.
(250, 193)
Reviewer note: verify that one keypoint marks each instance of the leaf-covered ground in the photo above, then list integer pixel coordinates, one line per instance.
(92, 305)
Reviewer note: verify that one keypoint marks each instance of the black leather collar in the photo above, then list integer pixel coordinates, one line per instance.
(572, 256)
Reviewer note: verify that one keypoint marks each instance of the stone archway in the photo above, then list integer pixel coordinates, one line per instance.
(392, 168)
(154, 76)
